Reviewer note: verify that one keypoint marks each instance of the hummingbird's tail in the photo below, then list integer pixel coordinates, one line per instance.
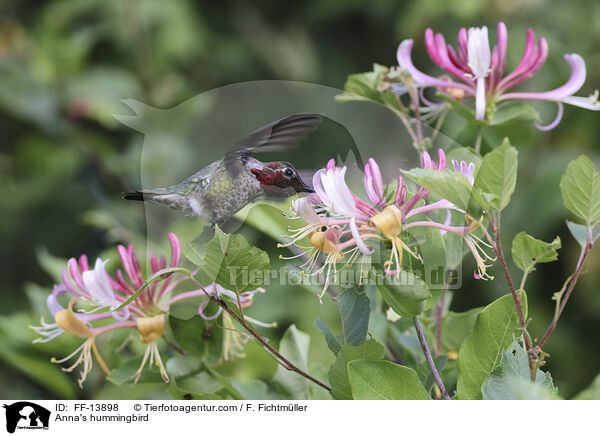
(133, 195)
(166, 197)
(147, 194)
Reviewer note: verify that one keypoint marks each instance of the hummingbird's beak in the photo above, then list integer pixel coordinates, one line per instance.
(305, 188)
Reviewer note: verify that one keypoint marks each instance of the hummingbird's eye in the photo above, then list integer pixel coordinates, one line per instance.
(288, 172)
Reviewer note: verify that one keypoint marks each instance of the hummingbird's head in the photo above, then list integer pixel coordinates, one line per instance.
(280, 179)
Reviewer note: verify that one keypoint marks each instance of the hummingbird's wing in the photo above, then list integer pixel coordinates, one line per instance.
(279, 135)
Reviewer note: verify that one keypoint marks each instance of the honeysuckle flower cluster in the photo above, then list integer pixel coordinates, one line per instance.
(341, 227)
(99, 295)
(480, 71)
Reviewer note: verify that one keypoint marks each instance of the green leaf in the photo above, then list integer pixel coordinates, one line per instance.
(592, 392)
(48, 375)
(183, 366)
(498, 174)
(432, 250)
(579, 232)
(363, 86)
(233, 263)
(268, 219)
(514, 112)
(463, 153)
(406, 294)
(456, 327)
(200, 384)
(52, 265)
(158, 275)
(527, 251)
(515, 388)
(354, 310)
(450, 185)
(125, 374)
(338, 373)
(198, 337)
(333, 342)
(580, 189)
(461, 109)
(383, 380)
(256, 390)
(33, 361)
(494, 330)
(425, 374)
(510, 378)
(236, 395)
(294, 346)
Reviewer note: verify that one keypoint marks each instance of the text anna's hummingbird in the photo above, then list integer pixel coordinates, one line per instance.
(224, 187)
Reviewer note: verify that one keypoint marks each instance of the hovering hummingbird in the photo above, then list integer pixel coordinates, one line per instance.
(224, 187)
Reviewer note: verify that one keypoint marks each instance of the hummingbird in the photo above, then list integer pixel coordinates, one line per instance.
(222, 188)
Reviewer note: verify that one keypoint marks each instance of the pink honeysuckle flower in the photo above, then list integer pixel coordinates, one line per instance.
(102, 295)
(342, 235)
(480, 70)
(467, 170)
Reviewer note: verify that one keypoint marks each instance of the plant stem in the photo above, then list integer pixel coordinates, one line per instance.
(432, 367)
(282, 359)
(516, 297)
(438, 315)
(438, 320)
(415, 100)
(578, 269)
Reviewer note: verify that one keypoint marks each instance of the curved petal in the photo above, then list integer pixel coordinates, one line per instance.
(422, 79)
(590, 102)
(538, 59)
(575, 82)
(426, 161)
(431, 48)
(526, 60)
(374, 182)
(52, 301)
(175, 249)
(502, 35)
(357, 238)
(120, 315)
(442, 162)
(108, 294)
(447, 63)
(554, 123)
(208, 318)
(319, 188)
(305, 210)
(75, 275)
(462, 45)
(400, 197)
(337, 191)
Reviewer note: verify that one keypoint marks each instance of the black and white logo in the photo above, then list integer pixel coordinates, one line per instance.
(26, 415)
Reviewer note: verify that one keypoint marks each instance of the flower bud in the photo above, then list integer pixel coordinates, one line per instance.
(388, 222)
(322, 241)
(67, 321)
(151, 328)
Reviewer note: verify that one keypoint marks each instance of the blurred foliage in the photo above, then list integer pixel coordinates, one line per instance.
(64, 159)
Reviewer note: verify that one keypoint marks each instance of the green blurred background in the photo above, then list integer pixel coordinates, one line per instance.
(64, 160)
